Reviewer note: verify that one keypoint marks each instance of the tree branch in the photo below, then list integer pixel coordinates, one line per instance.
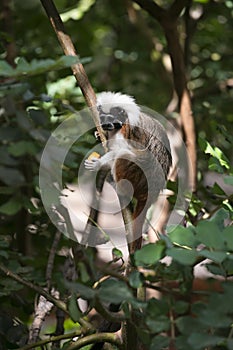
(78, 69)
(107, 315)
(43, 307)
(51, 258)
(53, 339)
(185, 105)
(8, 27)
(168, 21)
(58, 303)
(153, 9)
(96, 338)
(177, 7)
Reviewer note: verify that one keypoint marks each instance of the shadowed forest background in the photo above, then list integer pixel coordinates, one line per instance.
(127, 46)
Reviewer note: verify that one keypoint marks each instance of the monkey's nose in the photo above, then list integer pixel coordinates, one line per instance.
(107, 121)
(117, 124)
(107, 126)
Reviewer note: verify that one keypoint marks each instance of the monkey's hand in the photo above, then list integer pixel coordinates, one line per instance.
(92, 164)
(97, 135)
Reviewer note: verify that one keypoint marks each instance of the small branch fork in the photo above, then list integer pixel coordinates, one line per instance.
(168, 19)
(44, 306)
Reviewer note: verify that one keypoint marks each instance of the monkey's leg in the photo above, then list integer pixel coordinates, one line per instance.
(134, 220)
(88, 238)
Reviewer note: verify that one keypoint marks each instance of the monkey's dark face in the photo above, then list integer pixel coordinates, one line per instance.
(114, 119)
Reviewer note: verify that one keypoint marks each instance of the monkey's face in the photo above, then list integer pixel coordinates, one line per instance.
(114, 119)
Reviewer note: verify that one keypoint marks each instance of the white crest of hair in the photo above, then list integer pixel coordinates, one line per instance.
(108, 99)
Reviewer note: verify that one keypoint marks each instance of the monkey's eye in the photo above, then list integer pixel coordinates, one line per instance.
(119, 113)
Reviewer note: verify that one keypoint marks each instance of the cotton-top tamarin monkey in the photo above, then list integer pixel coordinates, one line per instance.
(138, 156)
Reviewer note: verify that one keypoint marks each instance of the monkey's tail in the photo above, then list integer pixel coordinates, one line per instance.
(138, 219)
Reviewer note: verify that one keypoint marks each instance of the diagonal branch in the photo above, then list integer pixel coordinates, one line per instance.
(159, 13)
(153, 9)
(58, 303)
(77, 68)
(96, 338)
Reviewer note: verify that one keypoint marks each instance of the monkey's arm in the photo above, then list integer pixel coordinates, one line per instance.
(95, 164)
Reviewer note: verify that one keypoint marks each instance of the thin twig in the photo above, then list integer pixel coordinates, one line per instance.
(53, 339)
(51, 258)
(42, 309)
(58, 303)
(107, 315)
(96, 338)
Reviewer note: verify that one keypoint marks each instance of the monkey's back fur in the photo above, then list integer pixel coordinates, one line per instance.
(147, 164)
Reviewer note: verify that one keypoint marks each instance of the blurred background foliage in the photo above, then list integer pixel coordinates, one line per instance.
(122, 49)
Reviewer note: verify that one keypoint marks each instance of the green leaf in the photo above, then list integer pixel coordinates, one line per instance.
(180, 307)
(204, 340)
(85, 292)
(230, 344)
(218, 159)
(183, 236)
(73, 308)
(135, 279)
(78, 11)
(11, 177)
(6, 190)
(214, 165)
(208, 233)
(217, 257)
(4, 241)
(150, 254)
(228, 237)
(228, 180)
(38, 116)
(66, 61)
(20, 148)
(84, 276)
(158, 325)
(216, 189)
(186, 324)
(211, 318)
(183, 256)
(37, 66)
(22, 65)
(114, 291)
(205, 146)
(6, 69)
(117, 253)
(10, 285)
(219, 217)
(224, 161)
(4, 254)
(202, 1)
(159, 342)
(11, 207)
(156, 307)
